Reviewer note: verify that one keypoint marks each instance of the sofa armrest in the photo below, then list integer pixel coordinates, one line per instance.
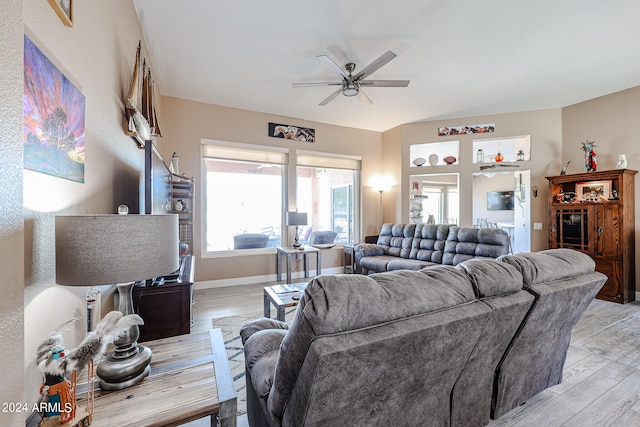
(261, 354)
(368, 249)
(251, 327)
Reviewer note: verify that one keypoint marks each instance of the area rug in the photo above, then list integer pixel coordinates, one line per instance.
(230, 328)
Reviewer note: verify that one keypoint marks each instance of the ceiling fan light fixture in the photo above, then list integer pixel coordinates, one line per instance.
(350, 89)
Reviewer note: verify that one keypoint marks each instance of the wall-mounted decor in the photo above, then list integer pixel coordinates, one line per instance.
(64, 10)
(278, 130)
(52, 118)
(141, 116)
(464, 130)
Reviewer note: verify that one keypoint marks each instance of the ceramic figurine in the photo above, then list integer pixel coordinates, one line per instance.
(622, 162)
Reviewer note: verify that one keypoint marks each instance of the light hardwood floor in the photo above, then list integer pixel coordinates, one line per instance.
(601, 385)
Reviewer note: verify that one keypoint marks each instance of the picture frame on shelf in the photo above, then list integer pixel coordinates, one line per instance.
(64, 10)
(592, 191)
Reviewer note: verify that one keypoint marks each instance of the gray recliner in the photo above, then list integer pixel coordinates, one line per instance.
(250, 240)
(563, 282)
(322, 237)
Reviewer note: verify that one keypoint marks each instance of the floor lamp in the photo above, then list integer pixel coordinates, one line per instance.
(381, 191)
(96, 250)
(380, 188)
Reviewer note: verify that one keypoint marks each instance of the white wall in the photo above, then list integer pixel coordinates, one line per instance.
(11, 224)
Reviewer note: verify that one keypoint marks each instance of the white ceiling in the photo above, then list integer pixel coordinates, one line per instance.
(463, 57)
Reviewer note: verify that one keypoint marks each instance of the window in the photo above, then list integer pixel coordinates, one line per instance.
(247, 192)
(244, 194)
(327, 191)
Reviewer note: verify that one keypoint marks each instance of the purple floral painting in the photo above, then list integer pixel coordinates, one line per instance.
(52, 118)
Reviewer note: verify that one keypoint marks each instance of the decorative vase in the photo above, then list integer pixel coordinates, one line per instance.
(499, 157)
(433, 159)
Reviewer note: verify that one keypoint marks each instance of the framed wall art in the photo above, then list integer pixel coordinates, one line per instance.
(277, 130)
(53, 114)
(593, 190)
(64, 10)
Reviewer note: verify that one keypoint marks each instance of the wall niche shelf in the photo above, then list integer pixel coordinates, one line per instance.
(434, 154)
(513, 149)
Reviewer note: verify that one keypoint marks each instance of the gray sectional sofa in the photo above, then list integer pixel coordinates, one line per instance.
(415, 246)
(437, 347)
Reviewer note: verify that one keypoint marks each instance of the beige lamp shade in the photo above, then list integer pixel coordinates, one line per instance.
(109, 249)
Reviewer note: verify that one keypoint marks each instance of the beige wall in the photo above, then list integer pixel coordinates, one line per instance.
(545, 128)
(187, 123)
(11, 224)
(611, 121)
(97, 56)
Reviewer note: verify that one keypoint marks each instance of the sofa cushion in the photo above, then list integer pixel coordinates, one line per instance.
(377, 263)
(492, 278)
(407, 264)
(428, 242)
(547, 266)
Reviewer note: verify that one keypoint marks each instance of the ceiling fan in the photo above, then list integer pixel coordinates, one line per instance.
(351, 85)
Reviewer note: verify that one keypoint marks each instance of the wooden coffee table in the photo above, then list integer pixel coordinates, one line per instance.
(190, 379)
(282, 296)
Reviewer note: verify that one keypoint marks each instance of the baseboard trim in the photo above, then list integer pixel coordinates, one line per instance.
(252, 280)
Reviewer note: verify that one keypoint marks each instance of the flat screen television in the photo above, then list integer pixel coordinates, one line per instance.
(500, 200)
(157, 182)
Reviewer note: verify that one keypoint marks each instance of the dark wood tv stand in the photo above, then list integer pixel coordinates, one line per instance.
(166, 308)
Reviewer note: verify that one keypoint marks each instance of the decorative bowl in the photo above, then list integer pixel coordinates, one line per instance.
(419, 161)
(449, 160)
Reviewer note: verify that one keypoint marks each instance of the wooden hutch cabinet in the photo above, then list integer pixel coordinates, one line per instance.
(594, 213)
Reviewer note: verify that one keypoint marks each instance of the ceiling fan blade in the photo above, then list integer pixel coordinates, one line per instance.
(375, 65)
(330, 98)
(364, 98)
(385, 83)
(317, 84)
(332, 66)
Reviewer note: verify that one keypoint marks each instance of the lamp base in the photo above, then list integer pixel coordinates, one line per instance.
(118, 373)
(296, 240)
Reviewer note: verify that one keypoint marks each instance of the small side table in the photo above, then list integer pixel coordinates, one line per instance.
(349, 258)
(304, 251)
(190, 379)
(282, 296)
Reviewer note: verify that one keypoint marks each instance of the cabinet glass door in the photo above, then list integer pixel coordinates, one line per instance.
(572, 229)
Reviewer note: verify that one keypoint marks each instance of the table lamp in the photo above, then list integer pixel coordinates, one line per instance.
(96, 250)
(296, 219)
